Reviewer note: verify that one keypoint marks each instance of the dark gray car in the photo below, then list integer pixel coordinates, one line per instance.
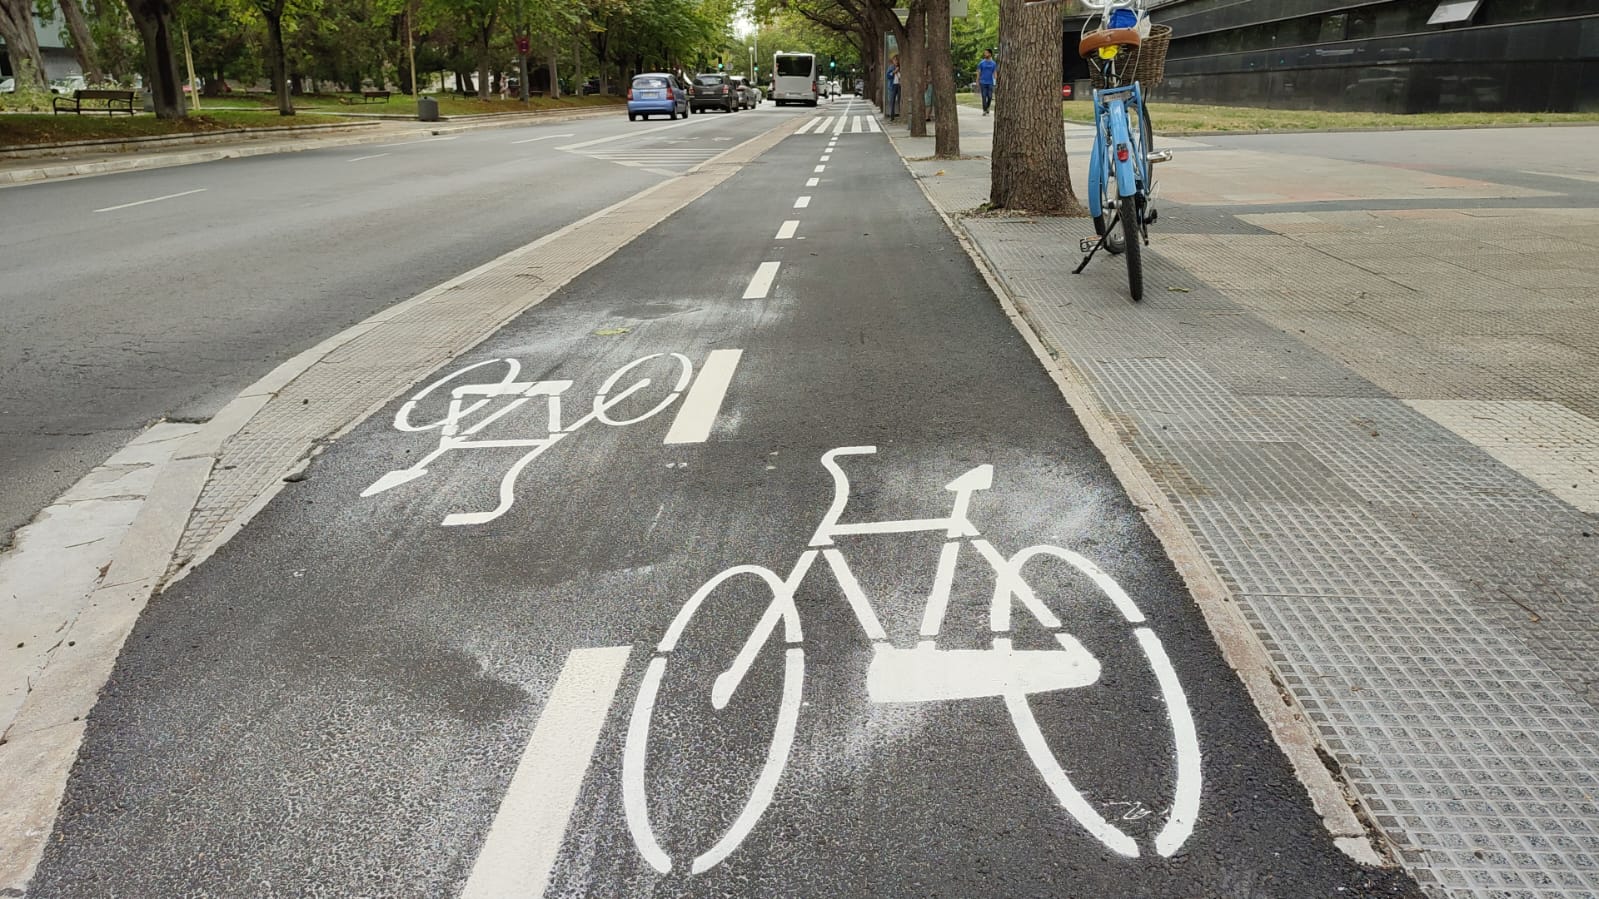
(714, 90)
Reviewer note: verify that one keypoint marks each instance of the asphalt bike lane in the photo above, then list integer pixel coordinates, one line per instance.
(763, 559)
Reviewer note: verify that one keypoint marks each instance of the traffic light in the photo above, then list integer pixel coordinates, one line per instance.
(720, 66)
(832, 62)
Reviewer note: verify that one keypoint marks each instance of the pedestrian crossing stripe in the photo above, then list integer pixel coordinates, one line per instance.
(844, 124)
(658, 160)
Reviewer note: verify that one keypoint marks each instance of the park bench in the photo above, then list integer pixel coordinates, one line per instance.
(115, 102)
(365, 97)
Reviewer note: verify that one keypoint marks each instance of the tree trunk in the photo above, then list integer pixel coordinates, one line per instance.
(1029, 165)
(273, 13)
(16, 26)
(82, 41)
(153, 18)
(947, 142)
(555, 75)
(913, 69)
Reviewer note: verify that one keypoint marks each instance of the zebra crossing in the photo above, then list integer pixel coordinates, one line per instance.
(841, 124)
(660, 160)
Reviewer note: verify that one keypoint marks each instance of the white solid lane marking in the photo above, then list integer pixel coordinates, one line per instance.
(425, 140)
(802, 202)
(812, 182)
(700, 406)
(364, 158)
(152, 200)
(819, 169)
(761, 284)
(526, 835)
(788, 229)
(545, 137)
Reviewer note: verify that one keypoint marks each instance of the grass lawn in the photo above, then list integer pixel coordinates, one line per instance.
(29, 129)
(1180, 118)
(402, 105)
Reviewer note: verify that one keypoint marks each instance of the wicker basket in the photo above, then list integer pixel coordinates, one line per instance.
(1149, 67)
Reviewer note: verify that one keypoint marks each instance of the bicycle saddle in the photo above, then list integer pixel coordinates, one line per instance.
(1108, 37)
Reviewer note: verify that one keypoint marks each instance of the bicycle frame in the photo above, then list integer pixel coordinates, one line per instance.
(1111, 135)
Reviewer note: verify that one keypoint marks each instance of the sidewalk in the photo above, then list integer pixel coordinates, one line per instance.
(1371, 397)
(89, 160)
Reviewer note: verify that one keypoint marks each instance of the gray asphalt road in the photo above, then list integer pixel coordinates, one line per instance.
(117, 317)
(357, 696)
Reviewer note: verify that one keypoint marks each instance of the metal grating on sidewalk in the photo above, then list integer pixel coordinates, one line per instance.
(1435, 612)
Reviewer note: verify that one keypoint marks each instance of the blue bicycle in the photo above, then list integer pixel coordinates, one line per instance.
(1119, 44)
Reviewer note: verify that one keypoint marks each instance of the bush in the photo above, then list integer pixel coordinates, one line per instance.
(29, 96)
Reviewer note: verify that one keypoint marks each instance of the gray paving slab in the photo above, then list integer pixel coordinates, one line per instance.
(1433, 608)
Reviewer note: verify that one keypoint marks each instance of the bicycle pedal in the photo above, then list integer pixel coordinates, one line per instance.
(1086, 244)
(1153, 215)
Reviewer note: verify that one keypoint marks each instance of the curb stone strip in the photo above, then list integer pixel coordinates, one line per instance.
(1241, 647)
(175, 530)
(13, 177)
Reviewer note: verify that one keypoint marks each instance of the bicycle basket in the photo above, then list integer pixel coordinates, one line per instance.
(1149, 66)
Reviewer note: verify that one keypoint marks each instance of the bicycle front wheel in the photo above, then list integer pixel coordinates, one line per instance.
(700, 694)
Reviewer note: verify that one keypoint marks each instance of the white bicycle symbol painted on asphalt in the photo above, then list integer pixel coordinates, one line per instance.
(921, 674)
(466, 400)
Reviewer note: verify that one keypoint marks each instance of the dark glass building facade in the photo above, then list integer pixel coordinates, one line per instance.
(1391, 56)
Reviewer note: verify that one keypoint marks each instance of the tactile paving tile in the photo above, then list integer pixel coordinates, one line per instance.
(1473, 738)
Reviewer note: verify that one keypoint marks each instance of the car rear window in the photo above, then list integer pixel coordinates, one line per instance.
(649, 82)
(708, 79)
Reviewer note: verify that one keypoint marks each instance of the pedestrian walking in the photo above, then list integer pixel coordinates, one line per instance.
(893, 87)
(985, 78)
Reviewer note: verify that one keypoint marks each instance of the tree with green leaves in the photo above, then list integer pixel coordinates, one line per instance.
(16, 26)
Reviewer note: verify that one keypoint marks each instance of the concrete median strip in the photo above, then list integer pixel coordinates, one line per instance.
(259, 146)
(221, 473)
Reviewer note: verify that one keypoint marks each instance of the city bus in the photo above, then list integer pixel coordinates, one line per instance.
(794, 78)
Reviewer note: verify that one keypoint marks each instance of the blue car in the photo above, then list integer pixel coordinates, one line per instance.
(656, 93)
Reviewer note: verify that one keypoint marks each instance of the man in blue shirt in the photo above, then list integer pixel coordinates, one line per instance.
(985, 78)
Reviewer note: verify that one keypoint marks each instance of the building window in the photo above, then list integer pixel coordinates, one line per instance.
(1332, 28)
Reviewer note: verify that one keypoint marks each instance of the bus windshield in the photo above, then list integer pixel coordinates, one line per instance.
(796, 66)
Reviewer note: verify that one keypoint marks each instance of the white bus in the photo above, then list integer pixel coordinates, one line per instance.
(794, 78)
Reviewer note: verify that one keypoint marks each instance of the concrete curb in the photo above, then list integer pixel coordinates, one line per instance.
(158, 141)
(1240, 645)
(69, 169)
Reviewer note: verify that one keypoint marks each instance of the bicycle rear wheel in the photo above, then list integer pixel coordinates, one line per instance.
(1132, 238)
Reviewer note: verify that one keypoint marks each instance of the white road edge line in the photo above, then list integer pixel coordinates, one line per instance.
(802, 202)
(152, 200)
(425, 140)
(364, 158)
(545, 137)
(761, 284)
(788, 229)
(696, 414)
(526, 836)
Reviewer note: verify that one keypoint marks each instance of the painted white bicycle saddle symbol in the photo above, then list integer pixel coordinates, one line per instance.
(923, 673)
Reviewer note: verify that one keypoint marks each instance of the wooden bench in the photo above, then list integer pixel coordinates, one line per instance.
(115, 102)
(369, 96)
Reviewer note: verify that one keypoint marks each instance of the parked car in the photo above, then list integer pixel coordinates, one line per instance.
(656, 93)
(714, 90)
(66, 86)
(748, 97)
(8, 85)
